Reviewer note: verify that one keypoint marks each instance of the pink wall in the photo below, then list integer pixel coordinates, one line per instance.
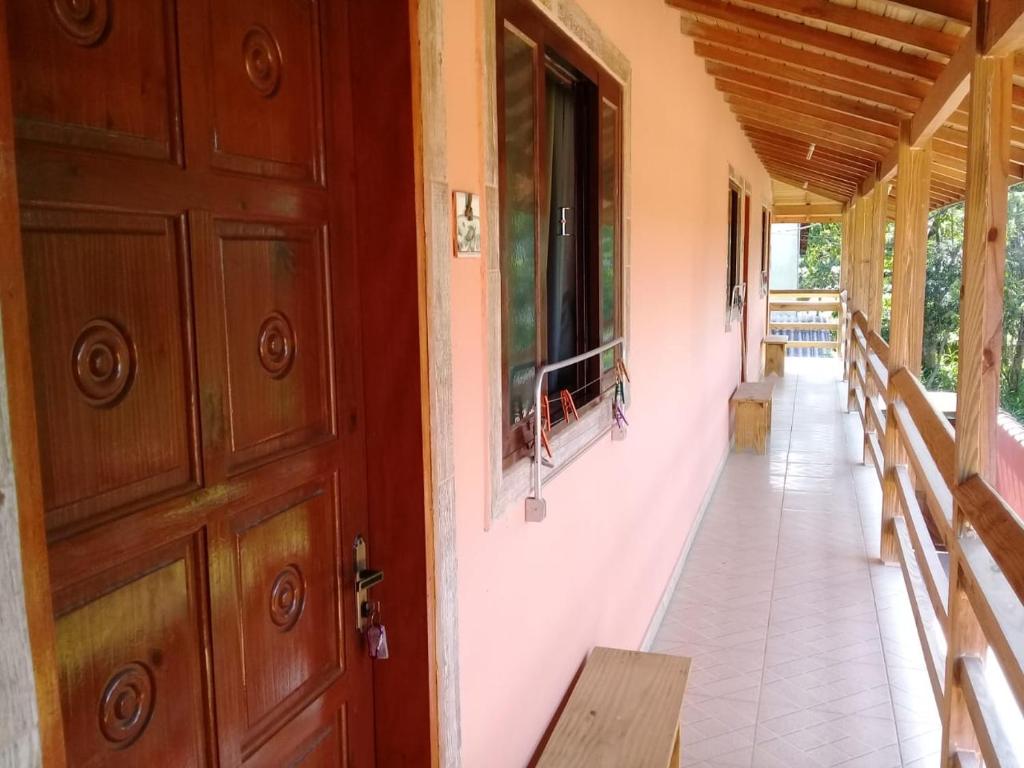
(1010, 462)
(535, 598)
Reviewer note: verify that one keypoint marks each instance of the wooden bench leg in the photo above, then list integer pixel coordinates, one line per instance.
(744, 427)
(763, 421)
(676, 760)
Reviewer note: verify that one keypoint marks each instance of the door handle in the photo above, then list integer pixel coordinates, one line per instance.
(563, 222)
(365, 579)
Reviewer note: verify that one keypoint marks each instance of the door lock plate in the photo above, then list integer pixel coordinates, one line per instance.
(365, 579)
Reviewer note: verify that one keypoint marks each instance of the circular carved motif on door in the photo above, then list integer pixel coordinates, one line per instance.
(277, 345)
(102, 363)
(262, 57)
(85, 21)
(127, 704)
(287, 597)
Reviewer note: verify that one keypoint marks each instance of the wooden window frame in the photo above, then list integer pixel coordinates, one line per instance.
(766, 244)
(554, 49)
(734, 247)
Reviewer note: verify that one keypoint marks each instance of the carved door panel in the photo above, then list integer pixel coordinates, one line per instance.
(184, 175)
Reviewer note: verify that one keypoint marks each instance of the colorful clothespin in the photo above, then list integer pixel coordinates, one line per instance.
(568, 406)
(620, 368)
(619, 415)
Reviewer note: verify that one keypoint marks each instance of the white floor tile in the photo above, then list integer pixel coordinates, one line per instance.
(804, 647)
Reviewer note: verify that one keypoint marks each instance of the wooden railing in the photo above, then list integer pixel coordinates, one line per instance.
(828, 303)
(985, 545)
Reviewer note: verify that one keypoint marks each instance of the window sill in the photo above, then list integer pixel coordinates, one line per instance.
(567, 445)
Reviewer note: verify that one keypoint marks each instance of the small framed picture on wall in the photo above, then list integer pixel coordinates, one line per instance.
(467, 224)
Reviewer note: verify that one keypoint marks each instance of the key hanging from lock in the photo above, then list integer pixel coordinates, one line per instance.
(377, 636)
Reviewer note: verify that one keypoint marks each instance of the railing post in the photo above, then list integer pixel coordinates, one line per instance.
(981, 338)
(906, 323)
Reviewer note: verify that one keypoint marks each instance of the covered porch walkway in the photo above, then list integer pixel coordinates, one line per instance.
(803, 644)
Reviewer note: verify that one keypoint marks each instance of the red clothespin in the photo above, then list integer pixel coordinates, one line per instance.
(545, 444)
(620, 366)
(568, 406)
(545, 415)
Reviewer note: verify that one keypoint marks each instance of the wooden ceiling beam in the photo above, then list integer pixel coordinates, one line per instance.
(819, 188)
(806, 209)
(825, 170)
(852, 18)
(958, 122)
(813, 134)
(806, 93)
(1003, 32)
(823, 40)
(818, 80)
(837, 168)
(863, 166)
(957, 10)
(800, 57)
(945, 96)
(788, 178)
(809, 173)
(883, 131)
(798, 114)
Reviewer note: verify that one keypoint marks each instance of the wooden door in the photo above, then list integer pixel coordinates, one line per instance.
(184, 180)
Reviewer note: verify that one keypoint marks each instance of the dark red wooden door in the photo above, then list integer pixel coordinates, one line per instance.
(184, 176)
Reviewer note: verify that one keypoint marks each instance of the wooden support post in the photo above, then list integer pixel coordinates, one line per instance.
(844, 285)
(856, 232)
(981, 338)
(906, 323)
(875, 257)
(873, 263)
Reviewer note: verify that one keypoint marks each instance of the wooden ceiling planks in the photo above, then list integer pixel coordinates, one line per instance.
(788, 52)
(820, 87)
(818, 79)
(804, 34)
(786, 87)
(852, 18)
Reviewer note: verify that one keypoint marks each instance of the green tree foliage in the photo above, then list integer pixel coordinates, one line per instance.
(819, 270)
(819, 263)
(942, 302)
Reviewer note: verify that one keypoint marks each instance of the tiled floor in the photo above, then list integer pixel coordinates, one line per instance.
(804, 647)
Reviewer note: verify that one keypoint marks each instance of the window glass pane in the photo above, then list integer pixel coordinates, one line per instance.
(609, 225)
(519, 201)
(734, 243)
(562, 239)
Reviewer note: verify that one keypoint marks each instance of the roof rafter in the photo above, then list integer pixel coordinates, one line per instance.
(818, 62)
(864, 131)
(957, 10)
(843, 104)
(822, 81)
(853, 18)
(757, 21)
(823, 136)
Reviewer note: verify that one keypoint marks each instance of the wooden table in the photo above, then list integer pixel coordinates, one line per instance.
(753, 401)
(623, 713)
(775, 355)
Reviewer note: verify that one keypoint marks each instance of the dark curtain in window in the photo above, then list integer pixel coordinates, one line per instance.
(562, 239)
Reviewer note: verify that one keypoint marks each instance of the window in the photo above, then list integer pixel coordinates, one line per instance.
(734, 271)
(560, 156)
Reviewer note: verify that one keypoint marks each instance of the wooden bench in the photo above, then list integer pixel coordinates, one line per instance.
(753, 402)
(775, 355)
(623, 713)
